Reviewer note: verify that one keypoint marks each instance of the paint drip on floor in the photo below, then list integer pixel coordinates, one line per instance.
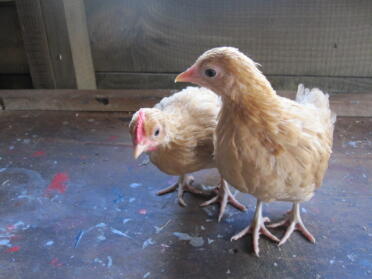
(195, 241)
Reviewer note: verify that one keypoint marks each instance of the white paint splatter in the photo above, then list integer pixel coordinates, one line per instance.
(126, 220)
(228, 271)
(210, 241)
(194, 241)
(135, 185)
(115, 231)
(147, 275)
(2, 169)
(148, 242)
(332, 261)
(100, 225)
(5, 242)
(109, 261)
(202, 228)
(275, 264)
(97, 260)
(11, 147)
(303, 210)
(101, 237)
(352, 257)
(159, 229)
(49, 243)
(132, 200)
(353, 144)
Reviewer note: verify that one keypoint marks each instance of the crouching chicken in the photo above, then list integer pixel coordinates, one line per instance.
(177, 133)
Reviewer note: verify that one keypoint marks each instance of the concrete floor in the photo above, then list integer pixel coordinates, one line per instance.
(74, 204)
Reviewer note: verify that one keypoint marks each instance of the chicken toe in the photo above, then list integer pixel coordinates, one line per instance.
(224, 196)
(183, 185)
(294, 222)
(256, 228)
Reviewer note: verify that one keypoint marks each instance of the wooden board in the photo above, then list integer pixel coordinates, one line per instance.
(279, 82)
(79, 43)
(36, 43)
(131, 100)
(58, 42)
(12, 53)
(330, 38)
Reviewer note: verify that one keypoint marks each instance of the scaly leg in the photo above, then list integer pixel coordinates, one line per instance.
(224, 196)
(183, 185)
(294, 222)
(257, 227)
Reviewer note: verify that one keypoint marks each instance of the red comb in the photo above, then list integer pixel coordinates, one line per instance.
(140, 129)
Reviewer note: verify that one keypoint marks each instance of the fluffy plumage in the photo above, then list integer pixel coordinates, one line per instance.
(268, 146)
(178, 134)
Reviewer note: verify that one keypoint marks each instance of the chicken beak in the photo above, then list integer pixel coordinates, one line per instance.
(187, 76)
(138, 150)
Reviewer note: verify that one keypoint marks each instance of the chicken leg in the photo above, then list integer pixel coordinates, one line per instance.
(257, 227)
(224, 196)
(183, 185)
(294, 222)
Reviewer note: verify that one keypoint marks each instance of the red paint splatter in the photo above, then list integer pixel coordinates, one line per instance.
(10, 228)
(113, 138)
(58, 183)
(13, 249)
(142, 211)
(56, 262)
(38, 154)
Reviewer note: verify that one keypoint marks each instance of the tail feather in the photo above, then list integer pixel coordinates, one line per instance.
(315, 97)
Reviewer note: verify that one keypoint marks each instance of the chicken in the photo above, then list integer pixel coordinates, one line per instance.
(268, 146)
(178, 135)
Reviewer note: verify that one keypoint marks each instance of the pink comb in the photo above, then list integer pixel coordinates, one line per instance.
(140, 129)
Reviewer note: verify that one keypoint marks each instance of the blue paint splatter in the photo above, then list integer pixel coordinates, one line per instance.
(135, 185)
(78, 238)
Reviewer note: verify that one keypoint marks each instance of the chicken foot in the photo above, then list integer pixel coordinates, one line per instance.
(256, 228)
(183, 185)
(294, 222)
(224, 196)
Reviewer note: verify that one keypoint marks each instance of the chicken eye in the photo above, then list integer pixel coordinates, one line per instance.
(156, 133)
(210, 72)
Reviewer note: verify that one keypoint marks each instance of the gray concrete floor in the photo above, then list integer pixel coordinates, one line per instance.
(73, 204)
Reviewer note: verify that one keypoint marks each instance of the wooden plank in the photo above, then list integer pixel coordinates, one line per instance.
(58, 42)
(56, 34)
(354, 105)
(79, 43)
(280, 82)
(12, 52)
(137, 81)
(82, 100)
(295, 37)
(36, 43)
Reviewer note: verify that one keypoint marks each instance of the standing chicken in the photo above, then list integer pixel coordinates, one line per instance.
(271, 147)
(178, 135)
